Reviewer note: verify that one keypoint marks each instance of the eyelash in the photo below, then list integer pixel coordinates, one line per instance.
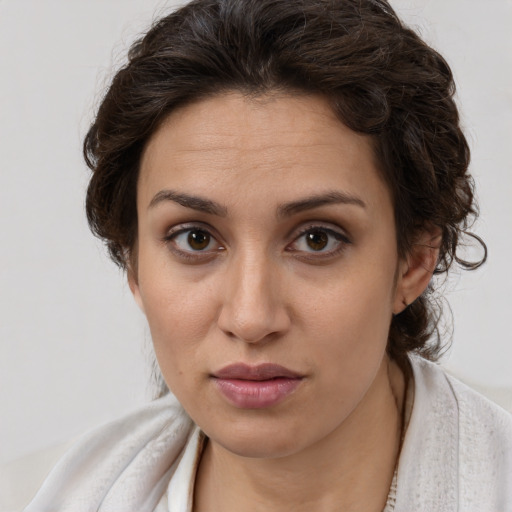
(205, 255)
(342, 242)
(190, 255)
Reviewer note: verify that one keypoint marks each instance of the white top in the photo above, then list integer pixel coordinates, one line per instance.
(456, 456)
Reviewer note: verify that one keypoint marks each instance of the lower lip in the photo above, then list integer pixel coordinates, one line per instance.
(256, 394)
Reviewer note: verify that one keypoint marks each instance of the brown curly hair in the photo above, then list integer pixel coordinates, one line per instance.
(379, 77)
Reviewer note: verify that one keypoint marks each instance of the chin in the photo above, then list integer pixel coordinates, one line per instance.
(259, 447)
(261, 439)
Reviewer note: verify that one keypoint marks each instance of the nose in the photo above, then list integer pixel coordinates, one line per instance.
(253, 309)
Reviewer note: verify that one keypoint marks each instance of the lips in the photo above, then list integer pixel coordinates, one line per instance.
(261, 372)
(256, 387)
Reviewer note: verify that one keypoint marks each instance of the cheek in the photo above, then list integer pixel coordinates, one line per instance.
(349, 324)
(351, 301)
(179, 317)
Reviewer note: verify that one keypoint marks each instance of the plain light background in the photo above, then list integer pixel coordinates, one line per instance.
(74, 347)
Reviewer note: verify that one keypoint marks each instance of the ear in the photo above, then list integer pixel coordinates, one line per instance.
(133, 283)
(416, 270)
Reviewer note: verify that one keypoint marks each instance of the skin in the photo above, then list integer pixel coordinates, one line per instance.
(258, 292)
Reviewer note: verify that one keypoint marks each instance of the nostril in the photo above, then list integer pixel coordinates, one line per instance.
(252, 308)
(254, 326)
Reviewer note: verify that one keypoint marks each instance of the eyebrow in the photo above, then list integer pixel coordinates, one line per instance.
(285, 210)
(193, 202)
(315, 201)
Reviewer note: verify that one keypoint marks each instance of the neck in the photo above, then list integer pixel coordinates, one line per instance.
(351, 469)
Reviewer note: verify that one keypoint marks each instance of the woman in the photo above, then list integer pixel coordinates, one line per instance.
(280, 181)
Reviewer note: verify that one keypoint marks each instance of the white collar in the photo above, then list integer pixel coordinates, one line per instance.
(181, 485)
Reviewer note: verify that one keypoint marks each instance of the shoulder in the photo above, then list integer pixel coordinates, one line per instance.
(476, 414)
(458, 446)
(137, 451)
(485, 443)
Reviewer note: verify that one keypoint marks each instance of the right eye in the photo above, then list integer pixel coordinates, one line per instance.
(192, 243)
(194, 240)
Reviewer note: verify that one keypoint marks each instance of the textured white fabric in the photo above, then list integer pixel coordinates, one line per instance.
(457, 453)
(456, 456)
(124, 466)
(181, 487)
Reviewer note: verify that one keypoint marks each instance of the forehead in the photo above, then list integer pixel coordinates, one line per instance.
(234, 142)
(236, 121)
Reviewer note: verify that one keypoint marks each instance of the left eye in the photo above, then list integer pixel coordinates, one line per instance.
(195, 240)
(319, 240)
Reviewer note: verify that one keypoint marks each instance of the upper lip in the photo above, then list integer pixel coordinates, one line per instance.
(263, 371)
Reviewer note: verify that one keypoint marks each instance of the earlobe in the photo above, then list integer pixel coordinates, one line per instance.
(133, 283)
(416, 270)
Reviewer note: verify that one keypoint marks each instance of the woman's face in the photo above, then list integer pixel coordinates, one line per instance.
(267, 268)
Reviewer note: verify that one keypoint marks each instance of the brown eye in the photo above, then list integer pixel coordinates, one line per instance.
(193, 241)
(317, 240)
(198, 240)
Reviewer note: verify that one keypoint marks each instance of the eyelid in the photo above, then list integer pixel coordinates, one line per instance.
(331, 229)
(320, 225)
(191, 255)
(334, 231)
